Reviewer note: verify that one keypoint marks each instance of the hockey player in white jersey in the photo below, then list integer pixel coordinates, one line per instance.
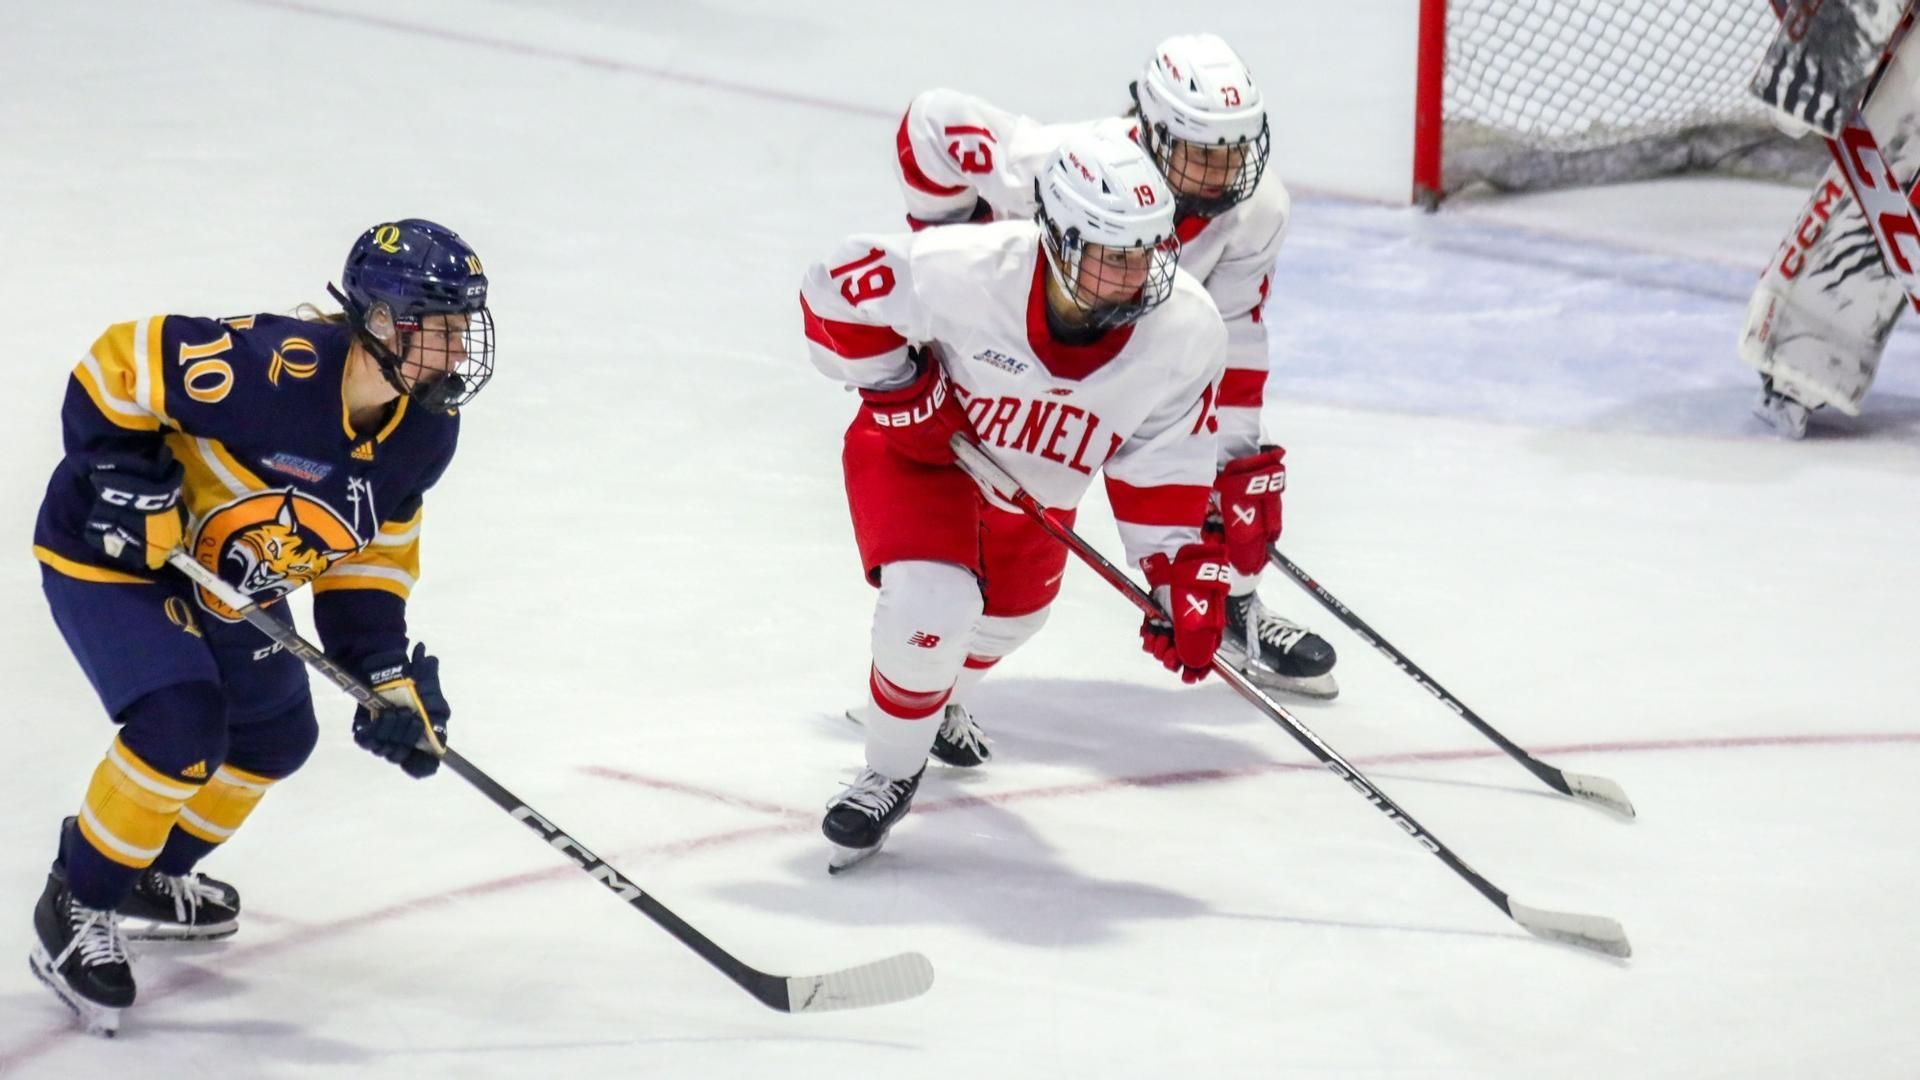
(1063, 346)
(1202, 119)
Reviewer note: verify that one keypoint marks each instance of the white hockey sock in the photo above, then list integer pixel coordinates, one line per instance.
(922, 623)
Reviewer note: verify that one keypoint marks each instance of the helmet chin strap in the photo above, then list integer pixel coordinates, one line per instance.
(435, 395)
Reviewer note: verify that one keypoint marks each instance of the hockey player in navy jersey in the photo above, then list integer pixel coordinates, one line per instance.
(1201, 118)
(279, 452)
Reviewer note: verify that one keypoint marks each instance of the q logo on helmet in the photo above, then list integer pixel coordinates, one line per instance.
(387, 239)
(269, 543)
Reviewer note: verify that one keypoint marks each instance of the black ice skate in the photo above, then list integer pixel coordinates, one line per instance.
(1285, 655)
(859, 818)
(184, 907)
(961, 743)
(1785, 413)
(82, 957)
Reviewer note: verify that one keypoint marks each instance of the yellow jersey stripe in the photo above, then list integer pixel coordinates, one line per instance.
(242, 778)
(331, 582)
(200, 828)
(84, 572)
(120, 411)
(205, 469)
(146, 775)
(404, 536)
(149, 365)
(399, 412)
(233, 467)
(204, 829)
(112, 846)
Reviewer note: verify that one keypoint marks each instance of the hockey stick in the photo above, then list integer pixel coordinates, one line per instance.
(1594, 932)
(1594, 789)
(881, 982)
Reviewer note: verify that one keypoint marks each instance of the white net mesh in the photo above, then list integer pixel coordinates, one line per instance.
(1541, 93)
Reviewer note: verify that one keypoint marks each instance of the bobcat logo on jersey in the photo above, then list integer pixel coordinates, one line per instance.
(269, 543)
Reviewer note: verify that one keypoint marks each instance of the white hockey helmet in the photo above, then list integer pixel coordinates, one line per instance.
(1106, 221)
(1197, 91)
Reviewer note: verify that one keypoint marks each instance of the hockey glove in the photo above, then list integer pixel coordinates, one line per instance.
(1192, 587)
(920, 417)
(412, 734)
(1249, 489)
(136, 519)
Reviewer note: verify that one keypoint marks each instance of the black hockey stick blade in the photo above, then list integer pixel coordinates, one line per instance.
(1594, 932)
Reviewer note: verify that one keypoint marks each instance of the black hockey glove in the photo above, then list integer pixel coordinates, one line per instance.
(412, 732)
(136, 519)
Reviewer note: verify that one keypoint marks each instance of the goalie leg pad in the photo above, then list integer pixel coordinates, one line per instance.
(1820, 317)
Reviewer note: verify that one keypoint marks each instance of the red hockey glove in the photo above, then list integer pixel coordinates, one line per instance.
(1250, 488)
(1192, 587)
(920, 417)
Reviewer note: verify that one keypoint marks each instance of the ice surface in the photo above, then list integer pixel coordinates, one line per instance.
(1518, 445)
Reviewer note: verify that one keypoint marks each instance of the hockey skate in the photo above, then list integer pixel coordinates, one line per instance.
(82, 957)
(1276, 654)
(960, 744)
(1784, 413)
(859, 818)
(184, 907)
(173, 907)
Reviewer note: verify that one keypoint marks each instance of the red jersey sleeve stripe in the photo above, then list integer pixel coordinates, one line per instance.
(1241, 388)
(850, 341)
(1162, 504)
(910, 168)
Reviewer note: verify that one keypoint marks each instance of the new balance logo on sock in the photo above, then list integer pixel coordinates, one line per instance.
(195, 771)
(924, 639)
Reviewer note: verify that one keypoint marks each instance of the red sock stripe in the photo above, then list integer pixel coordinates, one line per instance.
(897, 701)
(982, 663)
(1242, 388)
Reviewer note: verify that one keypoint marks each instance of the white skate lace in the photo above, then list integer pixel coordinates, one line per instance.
(1266, 628)
(872, 793)
(958, 728)
(188, 892)
(96, 937)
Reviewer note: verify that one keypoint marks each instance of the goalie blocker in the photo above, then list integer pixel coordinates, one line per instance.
(1827, 302)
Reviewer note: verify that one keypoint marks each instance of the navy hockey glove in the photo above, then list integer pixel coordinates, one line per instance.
(136, 519)
(413, 732)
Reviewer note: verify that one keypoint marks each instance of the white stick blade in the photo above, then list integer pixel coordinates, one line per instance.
(882, 982)
(1600, 791)
(1596, 932)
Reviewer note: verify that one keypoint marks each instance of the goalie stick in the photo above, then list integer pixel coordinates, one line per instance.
(1597, 790)
(1595, 932)
(881, 982)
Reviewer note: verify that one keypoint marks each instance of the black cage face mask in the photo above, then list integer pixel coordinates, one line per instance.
(1208, 180)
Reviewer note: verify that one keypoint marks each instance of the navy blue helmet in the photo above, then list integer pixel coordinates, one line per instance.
(424, 283)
